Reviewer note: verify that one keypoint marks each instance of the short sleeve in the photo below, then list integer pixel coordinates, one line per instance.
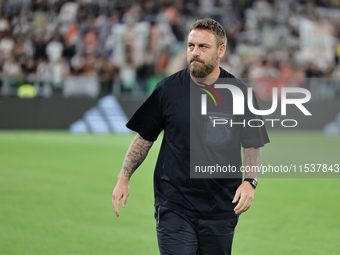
(148, 120)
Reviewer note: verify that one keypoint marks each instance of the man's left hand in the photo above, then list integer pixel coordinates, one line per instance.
(245, 196)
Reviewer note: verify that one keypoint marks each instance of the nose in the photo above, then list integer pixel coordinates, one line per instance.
(195, 51)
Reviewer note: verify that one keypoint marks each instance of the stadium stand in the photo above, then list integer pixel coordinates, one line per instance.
(125, 45)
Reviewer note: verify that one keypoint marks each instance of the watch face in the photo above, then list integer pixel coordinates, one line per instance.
(254, 182)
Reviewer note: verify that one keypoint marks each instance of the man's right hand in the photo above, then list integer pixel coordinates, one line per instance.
(121, 191)
(135, 155)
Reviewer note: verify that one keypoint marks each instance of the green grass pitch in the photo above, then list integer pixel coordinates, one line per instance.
(55, 198)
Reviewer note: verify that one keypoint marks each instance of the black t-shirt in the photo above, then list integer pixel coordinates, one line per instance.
(168, 109)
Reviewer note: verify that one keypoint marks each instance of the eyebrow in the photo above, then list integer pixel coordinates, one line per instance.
(204, 44)
(200, 44)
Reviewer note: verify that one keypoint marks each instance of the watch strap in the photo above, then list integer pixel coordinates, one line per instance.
(252, 182)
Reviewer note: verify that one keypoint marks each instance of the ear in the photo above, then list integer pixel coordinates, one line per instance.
(221, 50)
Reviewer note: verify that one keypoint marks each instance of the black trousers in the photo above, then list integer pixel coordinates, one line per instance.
(179, 234)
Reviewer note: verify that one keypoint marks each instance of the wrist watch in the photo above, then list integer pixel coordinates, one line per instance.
(252, 182)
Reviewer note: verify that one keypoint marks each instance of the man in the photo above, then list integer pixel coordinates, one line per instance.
(194, 216)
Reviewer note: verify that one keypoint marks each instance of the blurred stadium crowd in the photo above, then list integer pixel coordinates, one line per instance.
(95, 47)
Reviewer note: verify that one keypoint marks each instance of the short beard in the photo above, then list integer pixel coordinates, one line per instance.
(202, 70)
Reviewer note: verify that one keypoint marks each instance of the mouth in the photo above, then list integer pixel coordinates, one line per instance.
(196, 61)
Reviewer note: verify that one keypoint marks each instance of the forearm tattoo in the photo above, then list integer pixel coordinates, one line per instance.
(136, 154)
(252, 161)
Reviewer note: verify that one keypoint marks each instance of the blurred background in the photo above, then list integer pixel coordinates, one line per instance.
(88, 49)
(85, 66)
